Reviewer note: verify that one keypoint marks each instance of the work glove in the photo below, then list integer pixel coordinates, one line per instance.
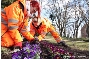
(25, 40)
(35, 41)
(62, 43)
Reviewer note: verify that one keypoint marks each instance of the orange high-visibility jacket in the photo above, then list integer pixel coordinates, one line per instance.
(40, 31)
(13, 22)
(44, 28)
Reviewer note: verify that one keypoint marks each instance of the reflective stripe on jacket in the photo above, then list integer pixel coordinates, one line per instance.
(45, 28)
(14, 18)
(52, 30)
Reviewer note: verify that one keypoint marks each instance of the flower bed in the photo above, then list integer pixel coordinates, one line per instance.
(47, 50)
(59, 52)
(29, 51)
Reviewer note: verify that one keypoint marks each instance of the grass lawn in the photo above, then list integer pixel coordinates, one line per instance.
(82, 45)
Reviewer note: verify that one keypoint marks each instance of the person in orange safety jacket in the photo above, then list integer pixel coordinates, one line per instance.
(40, 26)
(14, 21)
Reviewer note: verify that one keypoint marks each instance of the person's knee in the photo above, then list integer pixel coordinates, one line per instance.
(9, 44)
(4, 44)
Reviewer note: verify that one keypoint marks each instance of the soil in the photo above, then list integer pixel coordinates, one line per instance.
(46, 54)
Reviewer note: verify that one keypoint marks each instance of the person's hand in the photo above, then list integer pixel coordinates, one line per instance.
(36, 40)
(25, 40)
(62, 43)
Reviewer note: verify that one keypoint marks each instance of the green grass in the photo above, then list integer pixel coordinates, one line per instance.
(76, 44)
(50, 39)
(5, 50)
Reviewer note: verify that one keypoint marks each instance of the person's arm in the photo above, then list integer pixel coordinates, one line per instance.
(13, 18)
(52, 30)
(43, 30)
(25, 32)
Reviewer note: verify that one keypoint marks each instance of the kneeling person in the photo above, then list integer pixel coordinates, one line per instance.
(39, 27)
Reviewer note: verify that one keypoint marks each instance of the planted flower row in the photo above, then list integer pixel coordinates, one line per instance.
(43, 50)
(57, 52)
(29, 51)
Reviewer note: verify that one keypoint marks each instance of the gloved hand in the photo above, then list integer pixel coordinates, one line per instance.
(36, 40)
(62, 43)
(25, 40)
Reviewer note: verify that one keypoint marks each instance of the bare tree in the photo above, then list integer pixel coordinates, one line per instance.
(67, 16)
